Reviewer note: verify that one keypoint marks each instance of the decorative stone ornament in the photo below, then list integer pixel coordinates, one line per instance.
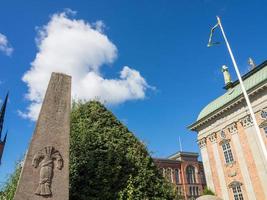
(246, 121)
(251, 63)
(222, 134)
(264, 114)
(227, 77)
(230, 164)
(223, 141)
(213, 137)
(235, 184)
(202, 143)
(232, 173)
(232, 128)
(45, 159)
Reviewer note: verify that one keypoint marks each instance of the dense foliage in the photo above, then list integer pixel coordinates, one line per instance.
(9, 189)
(208, 191)
(108, 161)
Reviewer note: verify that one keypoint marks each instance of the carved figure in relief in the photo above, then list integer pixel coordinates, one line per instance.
(45, 159)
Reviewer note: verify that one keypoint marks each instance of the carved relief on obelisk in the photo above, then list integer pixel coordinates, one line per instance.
(45, 173)
(45, 159)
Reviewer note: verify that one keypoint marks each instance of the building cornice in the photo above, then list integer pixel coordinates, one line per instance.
(253, 91)
(183, 153)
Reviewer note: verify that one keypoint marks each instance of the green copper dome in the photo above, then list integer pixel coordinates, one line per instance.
(253, 78)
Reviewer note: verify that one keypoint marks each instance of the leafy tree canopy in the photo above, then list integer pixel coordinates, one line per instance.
(106, 161)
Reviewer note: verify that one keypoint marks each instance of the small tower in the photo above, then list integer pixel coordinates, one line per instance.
(227, 77)
(2, 117)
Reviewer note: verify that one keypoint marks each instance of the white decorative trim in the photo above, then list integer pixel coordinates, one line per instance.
(228, 107)
(207, 168)
(235, 184)
(202, 143)
(237, 113)
(223, 141)
(232, 128)
(172, 181)
(230, 164)
(258, 157)
(232, 173)
(213, 137)
(220, 172)
(243, 167)
(246, 121)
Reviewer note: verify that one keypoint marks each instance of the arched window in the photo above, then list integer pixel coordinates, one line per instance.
(168, 174)
(202, 177)
(190, 174)
(237, 191)
(176, 172)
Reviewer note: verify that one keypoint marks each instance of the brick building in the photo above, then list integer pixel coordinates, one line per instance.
(185, 171)
(235, 166)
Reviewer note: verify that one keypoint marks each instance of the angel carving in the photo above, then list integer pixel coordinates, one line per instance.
(45, 159)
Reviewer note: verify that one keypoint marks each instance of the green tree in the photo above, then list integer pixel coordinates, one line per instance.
(208, 191)
(9, 189)
(108, 161)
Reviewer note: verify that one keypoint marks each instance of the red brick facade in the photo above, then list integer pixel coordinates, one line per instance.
(185, 172)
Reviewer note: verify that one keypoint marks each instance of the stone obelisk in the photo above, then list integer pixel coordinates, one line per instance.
(45, 173)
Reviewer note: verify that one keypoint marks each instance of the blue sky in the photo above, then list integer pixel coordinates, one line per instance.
(165, 41)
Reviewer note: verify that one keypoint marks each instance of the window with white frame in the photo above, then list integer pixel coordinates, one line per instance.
(190, 191)
(172, 178)
(176, 174)
(168, 174)
(237, 193)
(202, 177)
(179, 190)
(190, 174)
(227, 152)
(193, 191)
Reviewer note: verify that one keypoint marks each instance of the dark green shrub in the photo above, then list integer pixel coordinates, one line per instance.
(208, 191)
(108, 161)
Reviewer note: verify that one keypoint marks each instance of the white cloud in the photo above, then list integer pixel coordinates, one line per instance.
(5, 46)
(77, 48)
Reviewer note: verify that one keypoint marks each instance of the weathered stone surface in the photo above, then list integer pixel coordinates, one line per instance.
(45, 174)
(208, 197)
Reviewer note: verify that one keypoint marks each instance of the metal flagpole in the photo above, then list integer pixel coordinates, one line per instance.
(244, 92)
(181, 149)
